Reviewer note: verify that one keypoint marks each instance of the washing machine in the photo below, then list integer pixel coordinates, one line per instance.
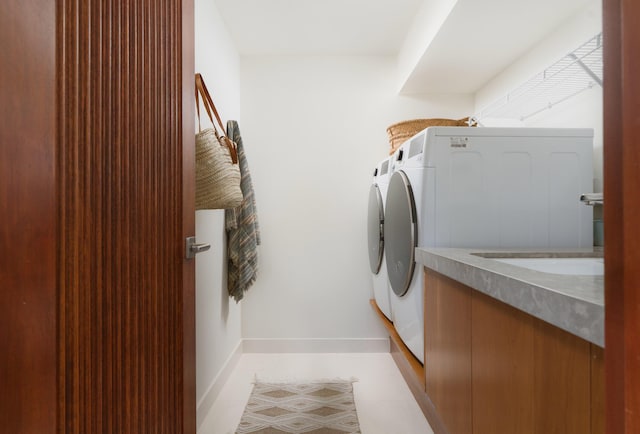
(481, 188)
(375, 230)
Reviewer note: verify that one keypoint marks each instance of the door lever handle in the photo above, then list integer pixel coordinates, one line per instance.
(191, 248)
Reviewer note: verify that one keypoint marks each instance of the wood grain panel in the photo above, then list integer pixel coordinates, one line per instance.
(121, 302)
(597, 390)
(562, 374)
(502, 368)
(613, 217)
(28, 217)
(448, 350)
(621, 214)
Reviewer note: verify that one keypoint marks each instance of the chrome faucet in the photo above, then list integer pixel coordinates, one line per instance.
(592, 199)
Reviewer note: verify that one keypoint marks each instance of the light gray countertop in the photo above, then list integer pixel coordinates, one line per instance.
(574, 303)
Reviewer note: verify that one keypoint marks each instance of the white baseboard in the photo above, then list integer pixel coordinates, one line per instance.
(216, 385)
(365, 345)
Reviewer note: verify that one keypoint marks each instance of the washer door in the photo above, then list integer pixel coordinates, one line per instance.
(401, 232)
(375, 228)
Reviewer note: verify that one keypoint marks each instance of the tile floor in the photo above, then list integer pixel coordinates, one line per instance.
(383, 400)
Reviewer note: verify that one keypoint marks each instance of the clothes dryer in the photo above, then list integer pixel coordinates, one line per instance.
(486, 188)
(375, 229)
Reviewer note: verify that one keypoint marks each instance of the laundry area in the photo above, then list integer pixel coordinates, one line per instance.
(427, 177)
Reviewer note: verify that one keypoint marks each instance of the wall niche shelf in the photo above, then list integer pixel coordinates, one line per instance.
(576, 72)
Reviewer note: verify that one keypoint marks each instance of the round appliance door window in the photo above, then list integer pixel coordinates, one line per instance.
(375, 229)
(401, 231)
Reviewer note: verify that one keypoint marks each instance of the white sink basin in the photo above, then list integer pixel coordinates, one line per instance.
(572, 266)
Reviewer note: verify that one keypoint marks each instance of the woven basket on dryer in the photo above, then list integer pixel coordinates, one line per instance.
(400, 132)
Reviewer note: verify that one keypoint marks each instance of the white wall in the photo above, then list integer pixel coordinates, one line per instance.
(313, 129)
(582, 111)
(218, 325)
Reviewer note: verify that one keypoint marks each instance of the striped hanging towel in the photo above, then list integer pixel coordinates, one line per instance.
(243, 233)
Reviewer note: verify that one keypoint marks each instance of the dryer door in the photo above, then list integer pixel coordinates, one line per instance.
(375, 228)
(401, 232)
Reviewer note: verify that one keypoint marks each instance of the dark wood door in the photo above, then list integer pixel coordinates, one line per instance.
(622, 214)
(96, 173)
(28, 227)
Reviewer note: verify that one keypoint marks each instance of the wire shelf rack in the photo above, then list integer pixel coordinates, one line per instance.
(574, 73)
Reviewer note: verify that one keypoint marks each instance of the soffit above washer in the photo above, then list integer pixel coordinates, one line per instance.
(318, 27)
(479, 38)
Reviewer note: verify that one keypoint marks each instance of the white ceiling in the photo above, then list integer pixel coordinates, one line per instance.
(318, 27)
(478, 40)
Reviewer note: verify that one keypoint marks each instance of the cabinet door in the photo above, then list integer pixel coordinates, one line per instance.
(502, 368)
(597, 390)
(448, 350)
(527, 375)
(562, 381)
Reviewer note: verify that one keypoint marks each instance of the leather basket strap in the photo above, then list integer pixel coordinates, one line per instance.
(207, 101)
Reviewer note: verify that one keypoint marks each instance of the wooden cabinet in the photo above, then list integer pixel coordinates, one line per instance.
(527, 376)
(597, 390)
(491, 368)
(562, 375)
(448, 350)
(502, 368)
